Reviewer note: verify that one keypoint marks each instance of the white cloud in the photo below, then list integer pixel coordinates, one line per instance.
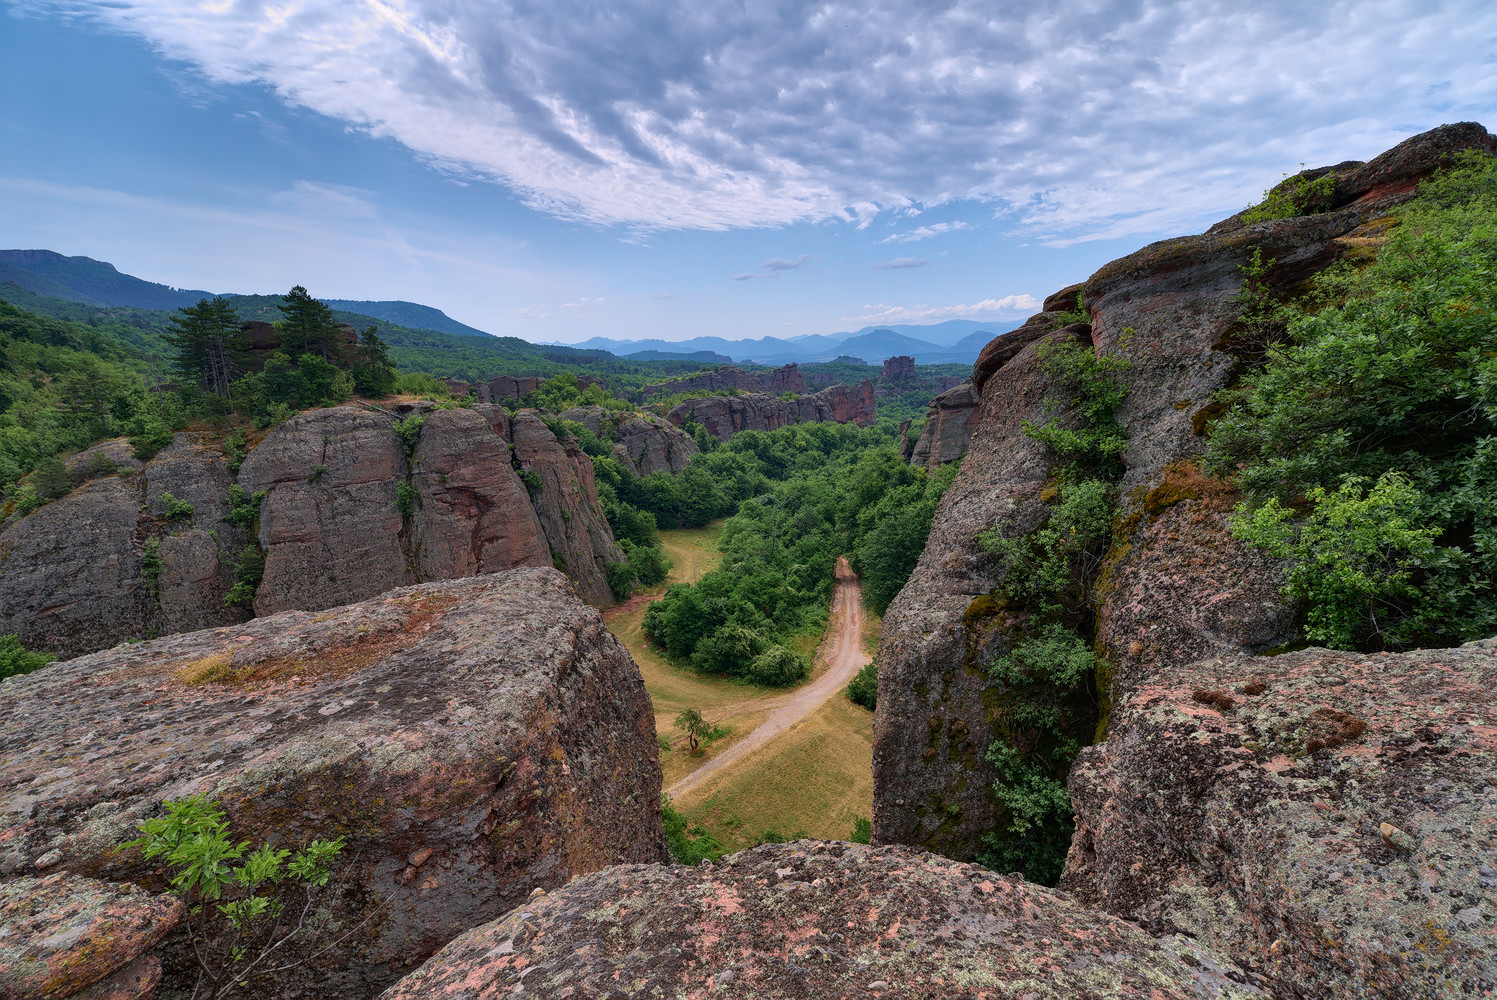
(777, 264)
(899, 263)
(926, 232)
(745, 276)
(1081, 118)
(1010, 306)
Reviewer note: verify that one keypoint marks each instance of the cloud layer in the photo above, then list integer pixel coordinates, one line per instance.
(1084, 118)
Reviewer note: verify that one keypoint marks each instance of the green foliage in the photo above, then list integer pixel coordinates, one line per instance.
(1295, 196)
(689, 845)
(778, 667)
(150, 564)
(1397, 374)
(422, 385)
(532, 481)
(176, 510)
(249, 570)
(1050, 569)
(308, 326)
(236, 449)
(1076, 314)
(1354, 557)
(372, 372)
(863, 688)
(244, 507)
(409, 432)
(406, 499)
(238, 920)
(695, 728)
(621, 578)
(1091, 387)
(51, 479)
(16, 659)
(862, 831)
(211, 348)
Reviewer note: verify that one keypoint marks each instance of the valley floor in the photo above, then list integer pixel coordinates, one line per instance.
(797, 762)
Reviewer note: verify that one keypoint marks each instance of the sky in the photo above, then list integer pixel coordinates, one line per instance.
(556, 170)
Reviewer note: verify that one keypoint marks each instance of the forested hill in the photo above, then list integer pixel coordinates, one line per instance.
(83, 279)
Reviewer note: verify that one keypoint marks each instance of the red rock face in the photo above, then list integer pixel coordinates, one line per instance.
(1255, 825)
(815, 919)
(724, 416)
(948, 428)
(1176, 587)
(472, 739)
(898, 369)
(63, 937)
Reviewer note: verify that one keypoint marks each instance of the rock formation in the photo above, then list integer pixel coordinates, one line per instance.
(567, 505)
(63, 937)
(724, 416)
(786, 378)
(1329, 819)
(900, 369)
(948, 428)
(816, 919)
(643, 442)
(109, 561)
(504, 388)
(1176, 299)
(473, 739)
(106, 562)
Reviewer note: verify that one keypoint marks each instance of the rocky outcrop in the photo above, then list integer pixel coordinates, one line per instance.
(109, 562)
(1175, 586)
(566, 503)
(948, 428)
(642, 442)
(64, 937)
(472, 739)
(811, 919)
(473, 515)
(1328, 818)
(900, 369)
(786, 378)
(330, 525)
(724, 416)
(505, 388)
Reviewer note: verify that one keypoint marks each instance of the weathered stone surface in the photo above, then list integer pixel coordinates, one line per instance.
(473, 739)
(786, 378)
(197, 552)
(948, 428)
(63, 936)
(1173, 588)
(567, 504)
(473, 514)
(932, 784)
(724, 416)
(70, 577)
(815, 919)
(1254, 826)
(900, 369)
(118, 452)
(329, 524)
(643, 442)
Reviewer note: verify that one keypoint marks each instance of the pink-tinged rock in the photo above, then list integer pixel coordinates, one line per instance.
(1258, 829)
(330, 527)
(68, 937)
(492, 722)
(816, 919)
(948, 428)
(724, 416)
(473, 514)
(566, 504)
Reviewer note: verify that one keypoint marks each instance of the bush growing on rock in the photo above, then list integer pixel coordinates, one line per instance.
(17, 659)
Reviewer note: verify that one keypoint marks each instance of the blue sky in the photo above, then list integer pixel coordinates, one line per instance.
(557, 171)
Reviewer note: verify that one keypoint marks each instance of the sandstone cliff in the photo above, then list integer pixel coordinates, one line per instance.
(786, 378)
(106, 562)
(350, 511)
(948, 428)
(472, 739)
(1175, 586)
(643, 442)
(816, 919)
(724, 416)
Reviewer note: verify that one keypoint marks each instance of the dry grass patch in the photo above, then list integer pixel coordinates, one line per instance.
(817, 779)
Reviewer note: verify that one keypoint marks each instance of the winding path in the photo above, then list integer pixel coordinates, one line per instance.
(842, 649)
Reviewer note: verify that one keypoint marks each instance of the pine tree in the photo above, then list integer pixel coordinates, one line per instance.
(373, 374)
(308, 326)
(210, 344)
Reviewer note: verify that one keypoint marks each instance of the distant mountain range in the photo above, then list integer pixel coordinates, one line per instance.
(97, 283)
(954, 341)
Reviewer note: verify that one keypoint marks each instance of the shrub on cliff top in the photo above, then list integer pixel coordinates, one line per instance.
(16, 659)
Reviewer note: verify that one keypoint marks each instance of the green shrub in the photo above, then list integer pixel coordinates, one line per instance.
(778, 667)
(236, 449)
(244, 905)
(1091, 389)
(16, 659)
(621, 578)
(406, 498)
(862, 831)
(1293, 197)
(51, 479)
(532, 481)
(863, 689)
(176, 510)
(244, 507)
(249, 570)
(688, 845)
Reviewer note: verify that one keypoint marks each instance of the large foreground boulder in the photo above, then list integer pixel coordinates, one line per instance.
(816, 919)
(472, 740)
(1328, 819)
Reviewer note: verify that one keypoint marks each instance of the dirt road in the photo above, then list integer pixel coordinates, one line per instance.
(841, 650)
